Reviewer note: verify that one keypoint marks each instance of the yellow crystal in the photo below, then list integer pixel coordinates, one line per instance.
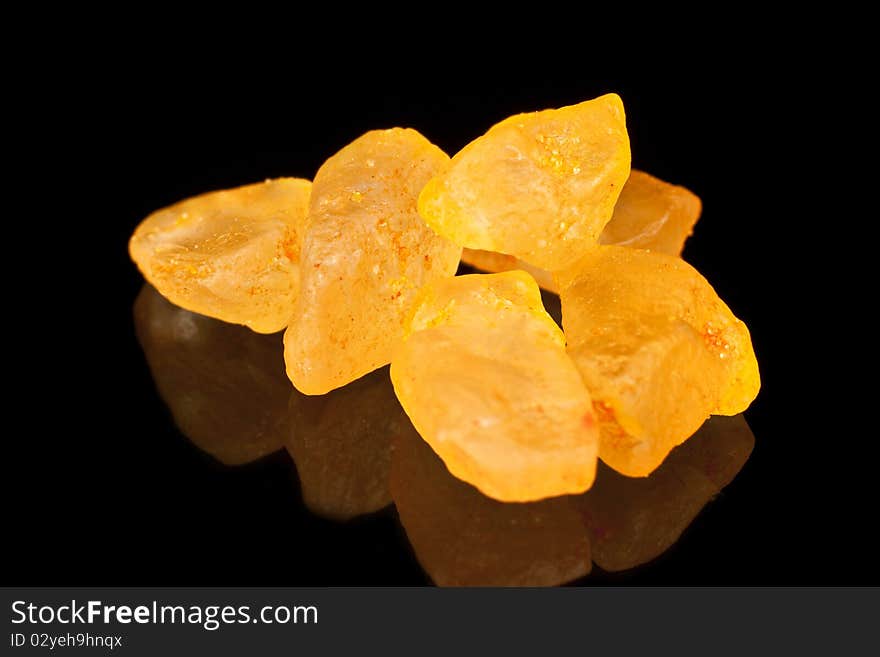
(539, 186)
(463, 538)
(650, 214)
(658, 350)
(484, 376)
(366, 253)
(232, 255)
(224, 384)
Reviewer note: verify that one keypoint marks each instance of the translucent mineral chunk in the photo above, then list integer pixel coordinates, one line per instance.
(484, 376)
(366, 254)
(539, 186)
(233, 254)
(658, 350)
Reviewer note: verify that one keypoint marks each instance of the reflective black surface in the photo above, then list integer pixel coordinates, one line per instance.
(355, 453)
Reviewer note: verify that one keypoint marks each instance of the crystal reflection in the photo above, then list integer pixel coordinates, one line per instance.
(224, 384)
(341, 444)
(228, 393)
(355, 452)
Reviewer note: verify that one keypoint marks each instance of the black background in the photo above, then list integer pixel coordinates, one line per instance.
(104, 491)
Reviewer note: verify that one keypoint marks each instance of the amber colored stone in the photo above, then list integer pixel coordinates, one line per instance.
(484, 376)
(366, 253)
(650, 214)
(232, 255)
(463, 538)
(634, 520)
(539, 186)
(341, 444)
(224, 384)
(658, 350)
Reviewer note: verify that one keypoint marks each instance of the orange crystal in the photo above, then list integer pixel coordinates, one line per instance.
(658, 350)
(484, 376)
(232, 254)
(366, 253)
(539, 186)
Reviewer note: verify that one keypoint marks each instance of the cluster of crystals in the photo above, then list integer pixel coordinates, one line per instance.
(359, 266)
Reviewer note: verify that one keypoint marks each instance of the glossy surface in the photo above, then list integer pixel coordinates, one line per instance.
(634, 520)
(344, 443)
(463, 538)
(341, 445)
(224, 384)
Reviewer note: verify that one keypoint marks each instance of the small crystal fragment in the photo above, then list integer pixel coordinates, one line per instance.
(652, 214)
(484, 376)
(232, 254)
